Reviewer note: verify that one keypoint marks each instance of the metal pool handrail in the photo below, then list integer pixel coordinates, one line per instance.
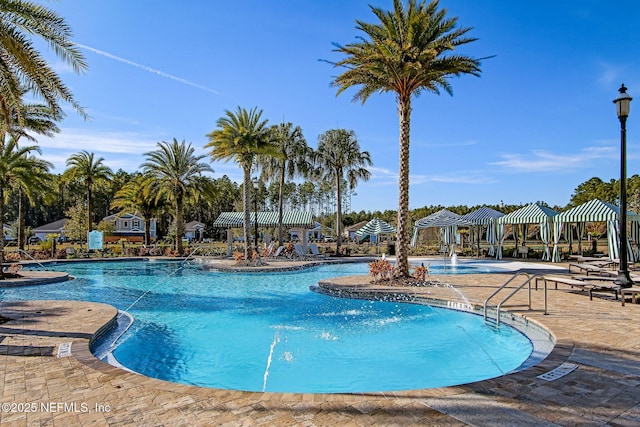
(529, 279)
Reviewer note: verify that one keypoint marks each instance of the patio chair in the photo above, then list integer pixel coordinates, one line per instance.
(589, 286)
(315, 252)
(299, 252)
(588, 268)
(277, 253)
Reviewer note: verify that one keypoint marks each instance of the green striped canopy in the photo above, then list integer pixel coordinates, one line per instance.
(376, 226)
(530, 214)
(485, 215)
(594, 211)
(302, 220)
(442, 218)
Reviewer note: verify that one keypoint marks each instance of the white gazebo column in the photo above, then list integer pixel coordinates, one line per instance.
(305, 241)
(229, 242)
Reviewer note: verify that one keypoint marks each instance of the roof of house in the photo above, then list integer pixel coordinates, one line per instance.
(192, 225)
(52, 226)
(121, 216)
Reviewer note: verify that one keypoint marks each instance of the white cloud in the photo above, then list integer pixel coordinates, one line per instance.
(386, 176)
(544, 161)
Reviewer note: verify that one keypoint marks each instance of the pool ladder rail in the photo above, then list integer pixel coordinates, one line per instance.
(528, 278)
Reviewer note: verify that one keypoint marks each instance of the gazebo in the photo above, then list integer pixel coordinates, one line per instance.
(597, 211)
(533, 213)
(297, 220)
(487, 217)
(447, 222)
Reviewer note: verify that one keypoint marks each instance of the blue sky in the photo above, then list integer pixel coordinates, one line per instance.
(537, 123)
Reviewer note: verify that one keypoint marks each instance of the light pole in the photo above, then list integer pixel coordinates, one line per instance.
(623, 103)
(255, 217)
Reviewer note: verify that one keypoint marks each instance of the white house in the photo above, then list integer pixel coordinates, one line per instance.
(6, 230)
(193, 230)
(130, 225)
(56, 227)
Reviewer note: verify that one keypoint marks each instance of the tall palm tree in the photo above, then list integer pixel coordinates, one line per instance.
(17, 167)
(39, 119)
(241, 137)
(410, 50)
(140, 195)
(338, 154)
(22, 66)
(88, 170)
(176, 169)
(294, 160)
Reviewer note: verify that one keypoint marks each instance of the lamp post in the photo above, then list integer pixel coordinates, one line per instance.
(255, 215)
(623, 102)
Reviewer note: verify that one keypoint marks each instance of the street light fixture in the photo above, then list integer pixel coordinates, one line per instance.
(623, 103)
(256, 186)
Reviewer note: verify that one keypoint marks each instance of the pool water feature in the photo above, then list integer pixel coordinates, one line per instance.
(269, 332)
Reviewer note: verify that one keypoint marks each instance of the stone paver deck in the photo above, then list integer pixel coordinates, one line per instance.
(601, 336)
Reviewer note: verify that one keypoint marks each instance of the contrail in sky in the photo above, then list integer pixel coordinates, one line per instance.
(144, 67)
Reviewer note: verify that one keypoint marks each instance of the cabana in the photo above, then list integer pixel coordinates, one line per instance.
(533, 213)
(597, 211)
(485, 216)
(296, 220)
(447, 222)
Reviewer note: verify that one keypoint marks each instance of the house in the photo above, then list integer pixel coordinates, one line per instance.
(6, 230)
(193, 230)
(130, 225)
(350, 232)
(56, 227)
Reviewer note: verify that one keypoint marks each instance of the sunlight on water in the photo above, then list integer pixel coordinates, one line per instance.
(270, 332)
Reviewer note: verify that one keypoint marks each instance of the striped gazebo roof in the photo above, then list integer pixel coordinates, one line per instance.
(442, 218)
(484, 215)
(530, 214)
(266, 219)
(376, 226)
(594, 211)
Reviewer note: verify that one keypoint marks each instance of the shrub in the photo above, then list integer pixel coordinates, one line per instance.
(380, 269)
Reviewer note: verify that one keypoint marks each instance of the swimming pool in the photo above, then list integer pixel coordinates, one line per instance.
(269, 332)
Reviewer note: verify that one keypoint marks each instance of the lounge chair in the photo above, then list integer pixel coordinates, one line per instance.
(277, 253)
(588, 268)
(315, 252)
(590, 286)
(300, 252)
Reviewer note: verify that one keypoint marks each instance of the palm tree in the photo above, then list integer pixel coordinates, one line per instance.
(88, 170)
(294, 160)
(338, 154)
(17, 167)
(23, 68)
(176, 170)
(39, 119)
(242, 136)
(140, 195)
(407, 52)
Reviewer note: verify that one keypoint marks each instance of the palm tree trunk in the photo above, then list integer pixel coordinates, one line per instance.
(246, 195)
(402, 255)
(147, 229)
(21, 218)
(2, 233)
(280, 209)
(179, 222)
(338, 211)
(89, 211)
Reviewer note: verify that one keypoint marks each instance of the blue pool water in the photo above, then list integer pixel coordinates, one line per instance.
(269, 332)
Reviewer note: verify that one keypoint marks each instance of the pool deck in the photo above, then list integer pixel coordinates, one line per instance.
(47, 382)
